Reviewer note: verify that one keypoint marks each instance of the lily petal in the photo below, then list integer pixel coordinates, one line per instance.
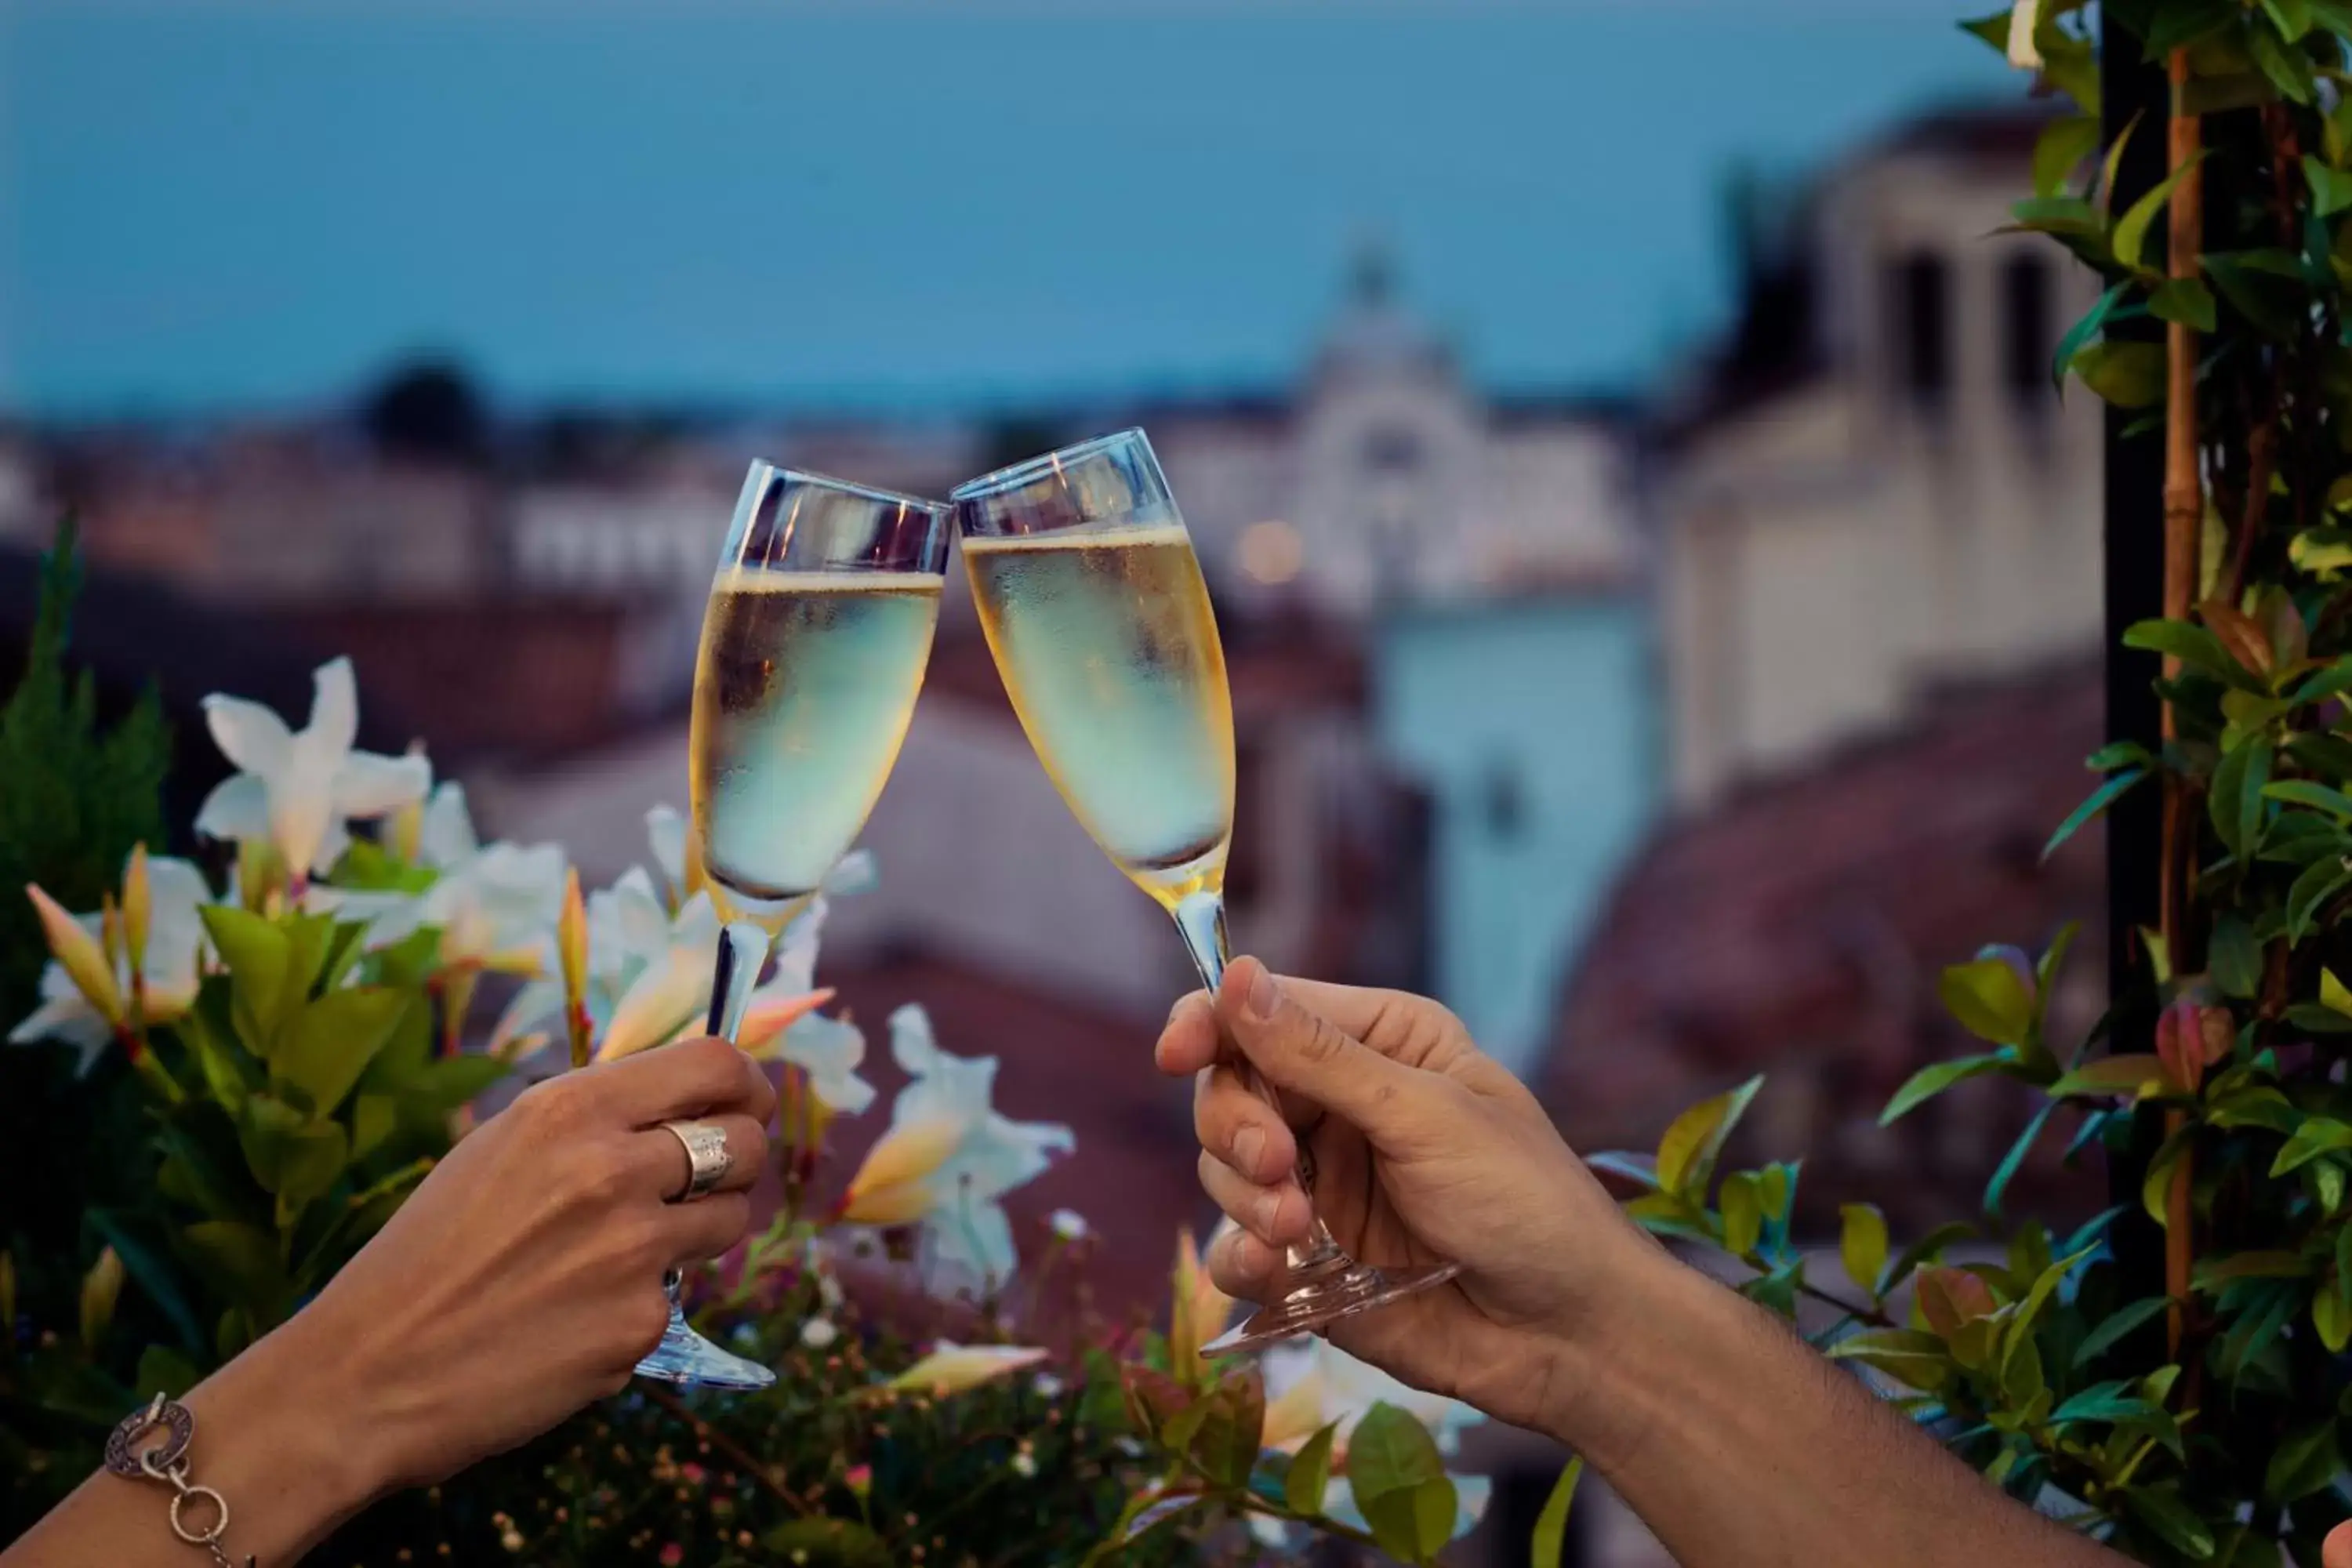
(367, 784)
(765, 1021)
(238, 808)
(2023, 18)
(248, 734)
(444, 837)
(84, 961)
(667, 831)
(951, 1368)
(909, 1153)
(334, 707)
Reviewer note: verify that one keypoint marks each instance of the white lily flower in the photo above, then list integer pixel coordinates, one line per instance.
(2023, 18)
(296, 790)
(1311, 1384)
(783, 1022)
(660, 992)
(1314, 1382)
(495, 907)
(171, 970)
(977, 1158)
(951, 1368)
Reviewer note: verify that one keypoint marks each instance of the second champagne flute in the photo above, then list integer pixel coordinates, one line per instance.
(1098, 616)
(814, 643)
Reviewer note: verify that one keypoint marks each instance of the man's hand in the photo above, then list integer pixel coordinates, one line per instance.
(1423, 1149)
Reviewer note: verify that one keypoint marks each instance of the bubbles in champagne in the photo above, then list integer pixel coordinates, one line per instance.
(802, 696)
(1107, 642)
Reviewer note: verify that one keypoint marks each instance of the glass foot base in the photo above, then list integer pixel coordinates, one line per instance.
(686, 1359)
(1325, 1296)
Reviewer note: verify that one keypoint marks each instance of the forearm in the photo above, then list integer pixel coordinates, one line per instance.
(1740, 1447)
(273, 1437)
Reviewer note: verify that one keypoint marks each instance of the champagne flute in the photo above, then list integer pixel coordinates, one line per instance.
(1096, 611)
(813, 643)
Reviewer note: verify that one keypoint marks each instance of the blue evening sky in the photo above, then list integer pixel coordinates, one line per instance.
(207, 206)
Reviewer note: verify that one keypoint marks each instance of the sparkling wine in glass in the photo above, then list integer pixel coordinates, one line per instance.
(1096, 611)
(814, 643)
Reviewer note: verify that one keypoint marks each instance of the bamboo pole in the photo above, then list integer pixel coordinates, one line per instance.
(2184, 518)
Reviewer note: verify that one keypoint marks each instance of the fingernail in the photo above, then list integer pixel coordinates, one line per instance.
(1248, 1144)
(1265, 995)
(1269, 1209)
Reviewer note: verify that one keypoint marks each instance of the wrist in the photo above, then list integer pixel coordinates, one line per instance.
(287, 1434)
(1604, 1361)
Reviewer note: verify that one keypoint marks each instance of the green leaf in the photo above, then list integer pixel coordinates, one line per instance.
(2196, 647)
(2117, 1324)
(2319, 798)
(2098, 801)
(2289, 70)
(315, 1158)
(1912, 1356)
(1743, 1213)
(1226, 1446)
(374, 1117)
(1862, 1243)
(2183, 300)
(1391, 1451)
(2331, 1315)
(2232, 956)
(2061, 149)
(2077, 337)
(2131, 229)
(2273, 305)
(1310, 1472)
(2234, 799)
(2332, 681)
(1687, 1152)
(256, 953)
(1551, 1525)
(1776, 1288)
(2006, 1171)
(1925, 1249)
(2320, 881)
(2127, 1075)
(2128, 375)
(155, 1279)
(1642, 1170)
(2318, 1135)
(1413, 1525)
(2318, 1020)
(2021, 1379)
(1989, 1000)
(2155, 1186)
(2109, 1402)
(2305, 1460)
(2173, 1521)
(2260, 1106)
(2331, 189)
(332, 1041)
(2177, 23)
(1936, 1078)
(2260, 1265)
(2292, 17)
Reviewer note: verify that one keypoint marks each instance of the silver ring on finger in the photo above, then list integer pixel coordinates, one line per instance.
(707, 1159)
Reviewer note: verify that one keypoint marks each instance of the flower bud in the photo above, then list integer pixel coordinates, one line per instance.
(84, 960)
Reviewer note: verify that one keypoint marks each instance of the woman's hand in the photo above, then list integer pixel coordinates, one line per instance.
(522, 1279)
(1425, 1149)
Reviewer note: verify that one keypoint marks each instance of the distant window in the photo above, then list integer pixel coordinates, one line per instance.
(1391, 451)
(2025, 325)
(1923, 326)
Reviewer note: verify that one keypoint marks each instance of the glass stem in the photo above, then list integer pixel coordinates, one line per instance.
(734, 975)
(742, 953)
(1201, 919)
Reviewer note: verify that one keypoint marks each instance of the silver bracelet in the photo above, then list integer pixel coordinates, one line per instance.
(167, 1461)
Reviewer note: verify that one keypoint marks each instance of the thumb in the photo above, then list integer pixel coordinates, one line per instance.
(2337, 1552)
(1299, 1050)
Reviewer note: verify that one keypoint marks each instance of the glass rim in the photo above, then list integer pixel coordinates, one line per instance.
(765, 471)
(1014, 475)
